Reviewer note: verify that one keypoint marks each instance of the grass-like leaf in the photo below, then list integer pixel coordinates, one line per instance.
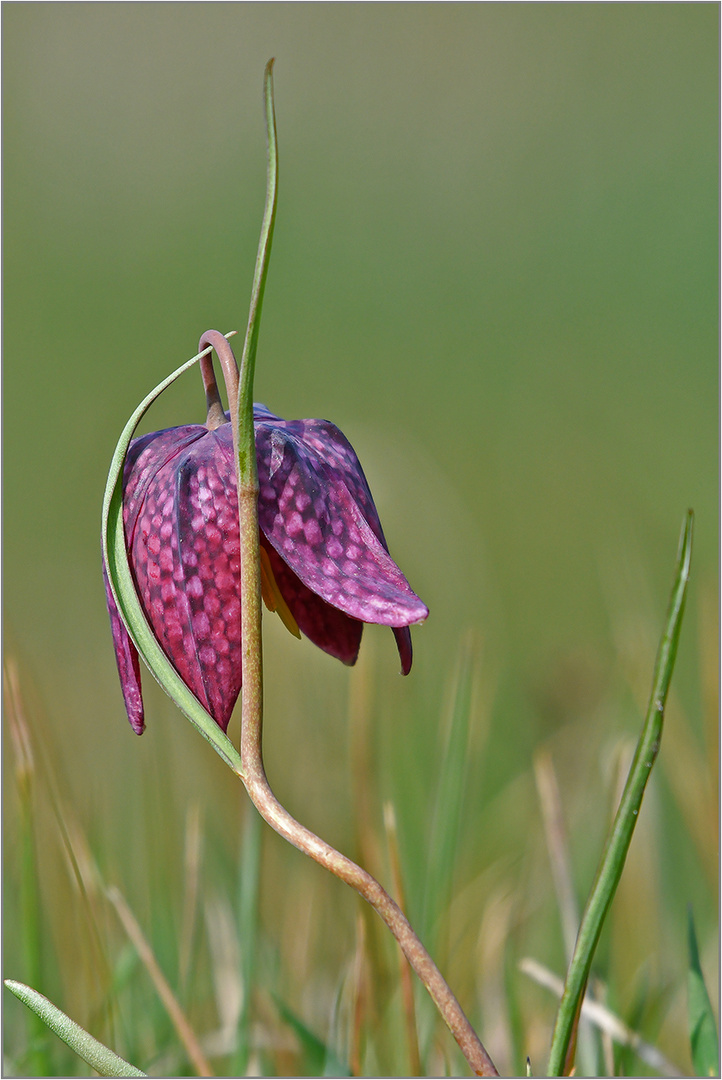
(443, 843)
(702, 1029)
(319, 1057)
(249, 885)
(126, 598)
(615, 852)
(98, 1056)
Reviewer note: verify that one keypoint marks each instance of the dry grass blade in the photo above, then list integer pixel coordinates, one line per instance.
(19, 732)
(555, 834)
(190, 894)
(37, 765)
(226, 968)
(179, 1020)
(359, 997)
(557, 846)
(604, 1019)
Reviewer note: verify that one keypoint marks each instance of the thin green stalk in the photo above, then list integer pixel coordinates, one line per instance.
(245, 445)
(248, 929)
(615, 851)
(254, 776)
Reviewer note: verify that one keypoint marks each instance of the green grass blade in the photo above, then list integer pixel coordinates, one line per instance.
(99, 1057)
(121, 582)
(443, 843)
(319, 1059)
(32, 933)
(247, 446)
(248, 931)
(615, 852)
(702, 1029)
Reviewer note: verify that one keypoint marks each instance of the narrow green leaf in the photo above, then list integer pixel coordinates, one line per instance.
(244, 445)
(121, 582)
(320, 1059)
(702, 1028)
(247, 446)
(248, 931)
(443, 843)
(99, 1057)
(619, 839)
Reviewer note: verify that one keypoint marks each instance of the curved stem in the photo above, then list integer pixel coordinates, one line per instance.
(216, 415)
(369, 888)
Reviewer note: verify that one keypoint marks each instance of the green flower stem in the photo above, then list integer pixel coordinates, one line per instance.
(254, 776)
(245, 445)
(98, 1056)
(615, 852)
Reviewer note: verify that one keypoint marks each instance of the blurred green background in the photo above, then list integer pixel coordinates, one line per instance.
(495, 268)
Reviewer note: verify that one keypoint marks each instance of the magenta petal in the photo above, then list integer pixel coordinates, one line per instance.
(330, 629)
(182, 534)
(316, 510)
(126, 657)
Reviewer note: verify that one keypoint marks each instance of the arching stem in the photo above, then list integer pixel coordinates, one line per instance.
(216, 415)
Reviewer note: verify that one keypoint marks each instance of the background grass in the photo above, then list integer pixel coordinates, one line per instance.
(495, 267)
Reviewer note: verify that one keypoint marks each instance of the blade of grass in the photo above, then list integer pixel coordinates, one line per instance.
(191, 878)
(603, 1018)
(320, 1060)
(31, 930)
(449, 797)
(178, 1018)
(359, 998)
(702, 1029)
(407, 989)
(36, 771)
(99, 1057)
(225, 956)
(248, 931)
(555, 834)
(445, 825)
(615, 852)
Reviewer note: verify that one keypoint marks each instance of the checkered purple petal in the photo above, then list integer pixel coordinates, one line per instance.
(316, 510)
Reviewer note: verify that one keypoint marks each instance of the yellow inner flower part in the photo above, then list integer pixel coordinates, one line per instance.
(272, 595)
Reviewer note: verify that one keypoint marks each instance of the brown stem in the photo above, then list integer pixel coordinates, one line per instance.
(302, 838)
(278, 817)
(216, 416)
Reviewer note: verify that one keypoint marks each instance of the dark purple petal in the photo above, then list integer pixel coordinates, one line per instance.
(126, 657)
(316, 510)
(403, 644)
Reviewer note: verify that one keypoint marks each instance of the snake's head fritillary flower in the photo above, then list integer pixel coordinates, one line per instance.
(325, 566)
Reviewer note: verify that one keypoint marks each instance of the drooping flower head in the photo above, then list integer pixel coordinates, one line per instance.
(325, 566)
